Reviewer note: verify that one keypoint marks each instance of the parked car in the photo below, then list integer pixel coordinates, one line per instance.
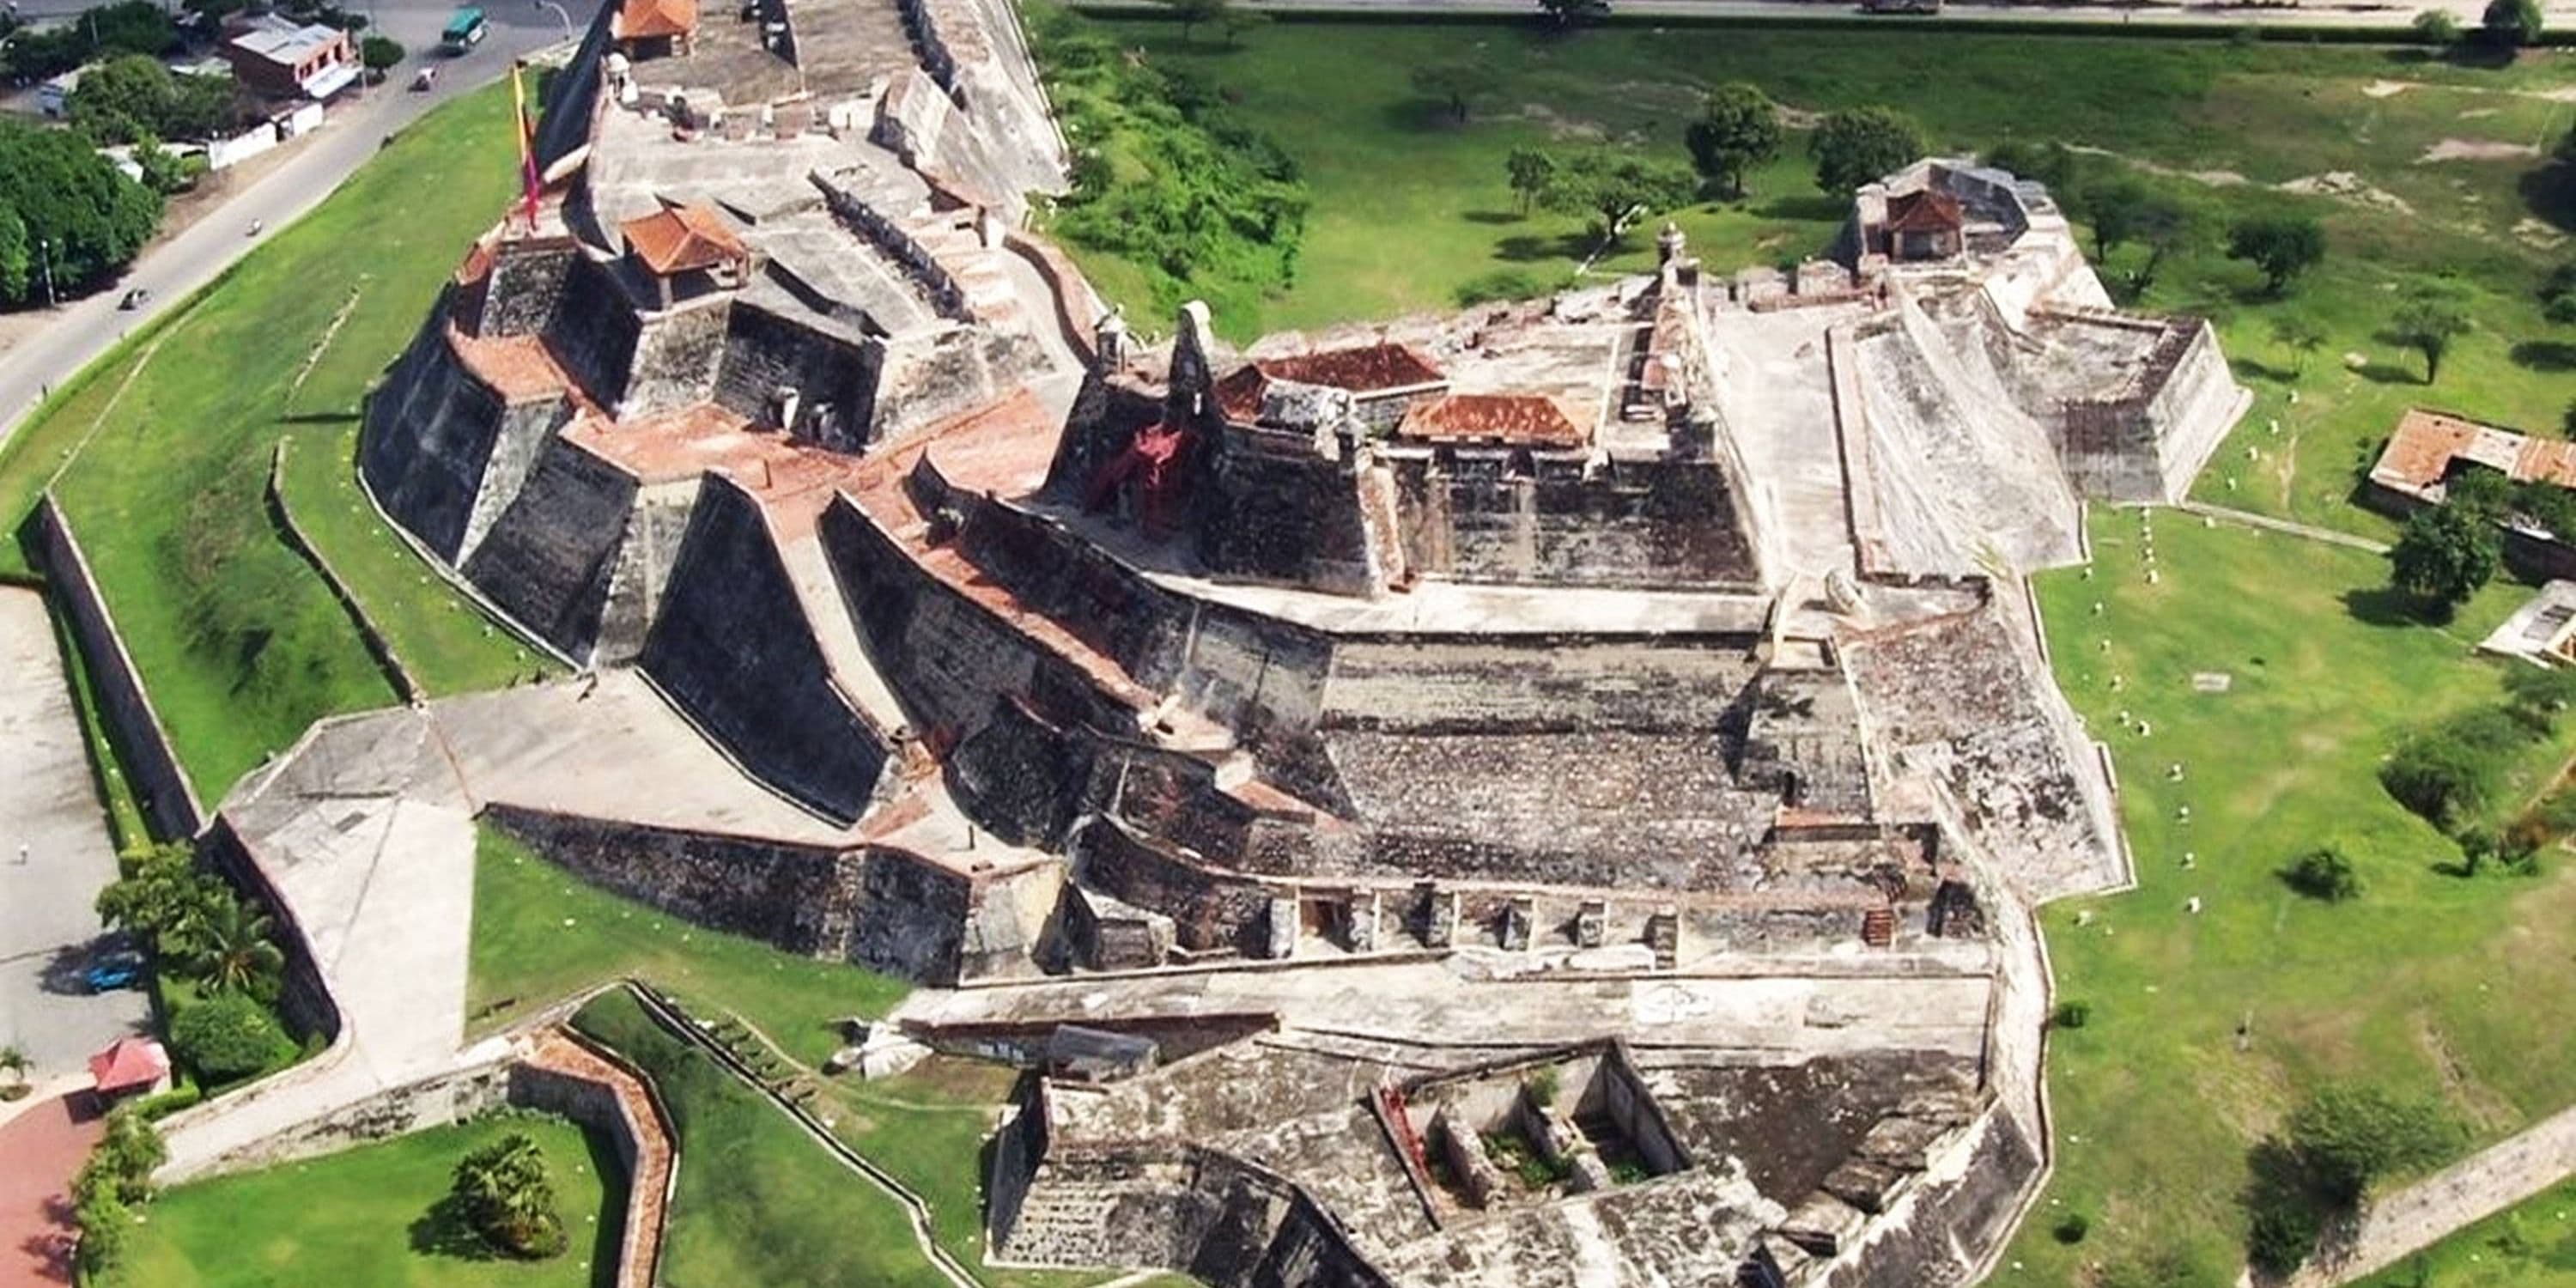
(122, 969)
(134, 299)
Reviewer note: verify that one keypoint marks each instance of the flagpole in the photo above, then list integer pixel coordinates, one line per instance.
(528, 179)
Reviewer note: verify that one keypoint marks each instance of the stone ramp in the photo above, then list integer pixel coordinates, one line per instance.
(837, 634)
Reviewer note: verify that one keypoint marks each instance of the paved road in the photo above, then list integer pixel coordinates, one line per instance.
(84, 329)
(44, 1146)
(49, 806)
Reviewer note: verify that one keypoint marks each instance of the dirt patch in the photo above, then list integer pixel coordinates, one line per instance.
(1557, 124)
(2476, 150)
(2489, 1111)
(2216, 178)
(2538, 233)
(2475, 113)
(2387, 88)
(2347, 186)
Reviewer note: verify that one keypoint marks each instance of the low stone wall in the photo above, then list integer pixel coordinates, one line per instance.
(452, 1097)
(169, 800)
(304, 997)
(378, 647)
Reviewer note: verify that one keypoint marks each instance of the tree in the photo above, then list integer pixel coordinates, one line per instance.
(380, 54)
(2348, 1137)
(2324, 874)
(1857, 145)
(127, 1154)
(508, 1199)
(226, 1037)
(1531, 171)
(161, 896)
(1452, 83)
(128, 98)
(1194, 12)
(1738, 126)
(2301, 335)
(231, 950)
(82, 218)
(106, 1231)
(2437, 28)
(2283, 246)
(2428, 323)
(2053, 164)
(1610, 186)
(2558, 293)
(2443, 556)
(2512, 23)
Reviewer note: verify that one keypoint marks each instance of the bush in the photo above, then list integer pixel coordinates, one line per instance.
(2281, 1230)
(2073, 1015)
(2324, 874)
(2448, 774)
(2071, 1228)
(186, 1095)
(380, 53)
(507, 1197)
(2436, 27)
(227, 1037)
(2348, 1137)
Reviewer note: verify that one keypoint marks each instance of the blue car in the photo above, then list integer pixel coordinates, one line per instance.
(124, 970)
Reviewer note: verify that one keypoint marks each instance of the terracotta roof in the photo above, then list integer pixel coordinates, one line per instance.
(680, 238)
(646, 19)
(131, 1062)
(2419, 454)
(1515, 420)
(1361, 369)
(477, 265)
(1925, 211)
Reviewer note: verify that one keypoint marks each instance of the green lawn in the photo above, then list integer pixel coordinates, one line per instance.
(2531, 1246)
(1409, 207)
(2428, 984)
(541, 934)
(162, 453)
(363, 1217)
(759, 1202)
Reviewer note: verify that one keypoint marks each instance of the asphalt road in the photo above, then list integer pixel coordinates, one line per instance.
(83, 329)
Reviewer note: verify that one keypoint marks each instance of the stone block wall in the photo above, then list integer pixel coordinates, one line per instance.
(792, 896)
(525, 284)
(677, 356)
(550, 557)
(1210, 910)
(1486, 517)
(655, 526)
(1269, 508)
(522, 438)
(446, 1099)
(733, 649)
(430, 430)
(594, 331)
(834, 376)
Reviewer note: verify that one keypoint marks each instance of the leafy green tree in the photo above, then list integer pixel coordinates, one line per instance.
(2349, 1137)
(1453, 84)
(2283, 246)
(1531, 170)
(1609, 186)
(232, 949)
(2437, 28)
(83, 218)
(1857, 145)
(508, 1198)
(1738, 127)
(2512, 23)
(380, 54)
(17, 257)
(162, 895)
(227, 1037)
(2325, 874)
(106, 1234)
(2428, 323)
(2443, 556)
(14, 1060)
(2558, 293)
(2538, 695)
(127, 1153)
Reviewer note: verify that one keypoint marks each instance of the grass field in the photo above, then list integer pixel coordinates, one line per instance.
(758, 1202)
(2428, 984)
(1410, 207)
(541, 934)
(363, 1217)
(2530, 1246)
(160, 453)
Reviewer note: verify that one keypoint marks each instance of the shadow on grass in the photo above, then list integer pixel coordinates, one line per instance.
(2259, 369)
(2550, 194)
(2545, 355)
(1491, 217)
(2383, 606)
(1421, 115)
(1531, 248)
(1816, 208)
(444, 1231)
(320, 418)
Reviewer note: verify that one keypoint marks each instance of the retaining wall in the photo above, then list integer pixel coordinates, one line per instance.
(168, 798)
(378, 647)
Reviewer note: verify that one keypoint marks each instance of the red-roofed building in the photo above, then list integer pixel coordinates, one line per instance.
(1926, 224)
(686, 245)
(655, 28)
(132, 1066)
(1492, 420)
(1383, 379)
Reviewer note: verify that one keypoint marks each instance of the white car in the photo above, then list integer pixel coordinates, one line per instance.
(424, 78)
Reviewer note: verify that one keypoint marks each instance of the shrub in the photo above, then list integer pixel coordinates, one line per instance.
(380, 54)
(2281, 1229)
(2436, 27)
(2324, 874)
(2447, 774)
(509, 1200)
(2071, 1228)
(2443, 555)
(2073, 1015)
(2348, 1137)
(227, 1038)
(1857, 145)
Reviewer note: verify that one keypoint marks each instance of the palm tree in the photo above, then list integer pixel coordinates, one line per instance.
(508, 1197)
(15, 1061)
(229, 945)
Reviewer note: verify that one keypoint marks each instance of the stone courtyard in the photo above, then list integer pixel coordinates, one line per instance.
(1546, 794)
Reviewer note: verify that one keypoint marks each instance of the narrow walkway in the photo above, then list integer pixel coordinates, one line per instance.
(2476, 1187)
(43, 1148)
(2247, 518)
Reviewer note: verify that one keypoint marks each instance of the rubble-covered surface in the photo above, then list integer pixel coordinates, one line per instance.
(1791, 1125)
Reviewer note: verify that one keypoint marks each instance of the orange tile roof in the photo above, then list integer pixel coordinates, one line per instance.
(1360, 369)
(1513, 420)
(1925, 211)
(646, 19)
(519, 368)
(130, 1062)
(682, 237)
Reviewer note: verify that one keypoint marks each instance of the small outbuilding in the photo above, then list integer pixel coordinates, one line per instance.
(686, 248)
(131, 1066)
(1926, 224)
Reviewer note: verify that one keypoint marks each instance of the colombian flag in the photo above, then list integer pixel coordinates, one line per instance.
(528, 181)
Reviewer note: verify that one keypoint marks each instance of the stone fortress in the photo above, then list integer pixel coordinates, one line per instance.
(1547, 794)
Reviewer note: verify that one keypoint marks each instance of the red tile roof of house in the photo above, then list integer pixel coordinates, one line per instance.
(129, 1063)
(2419, 454)
(680, 238)
(1925, 211)
(646, 19)
(1361, 369)
(1512, 420)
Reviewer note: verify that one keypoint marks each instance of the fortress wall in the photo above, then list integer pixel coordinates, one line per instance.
(548, 560)
(1965, 1205)
(1270, 509)
(2192, 413)
(2109, 450)
(656, 524)
(593, 332)
(789, 895)
(526, 429)
(1537, 682)
(764, 353)
(1225, 1221)
(732, 648)
(525, 285)
(430, 429)
(933, 375)
(1209, 910)
(1021, 778)
(1640, 523)
(677, 356)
